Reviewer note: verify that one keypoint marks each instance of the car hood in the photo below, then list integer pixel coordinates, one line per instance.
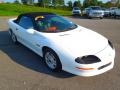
(79, 42)
(106, 11)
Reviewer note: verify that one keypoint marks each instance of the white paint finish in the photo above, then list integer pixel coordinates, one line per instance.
(69, 45)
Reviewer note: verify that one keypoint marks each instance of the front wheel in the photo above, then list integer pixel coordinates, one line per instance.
(115, 16)
(14, 38)
(101, 17)
(89, 17)
(52, 60)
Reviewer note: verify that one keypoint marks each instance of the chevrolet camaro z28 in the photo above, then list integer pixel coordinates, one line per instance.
(63, 44)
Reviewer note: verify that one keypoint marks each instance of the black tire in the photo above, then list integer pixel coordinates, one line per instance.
(101, 17)
(58, 66)
(14, 38)
(90, 17)
(115, 16)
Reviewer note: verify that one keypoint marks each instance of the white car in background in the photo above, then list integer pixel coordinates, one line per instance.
(117, 13)
(106, 12)
(96, 12)
(63, 44)
(86, 11)
(76, 11)
(112, 11)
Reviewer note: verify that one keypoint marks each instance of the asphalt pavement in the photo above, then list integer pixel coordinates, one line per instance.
(22, 69)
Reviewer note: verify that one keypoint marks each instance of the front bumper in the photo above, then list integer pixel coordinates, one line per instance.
(107, 62)
(96, 15)
(76, 13)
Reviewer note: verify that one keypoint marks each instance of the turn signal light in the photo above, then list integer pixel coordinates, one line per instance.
(84, 68)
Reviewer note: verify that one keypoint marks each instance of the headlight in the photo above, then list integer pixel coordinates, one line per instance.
(111, 45)
(87, 59)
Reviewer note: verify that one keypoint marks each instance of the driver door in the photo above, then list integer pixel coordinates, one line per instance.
(23, 35)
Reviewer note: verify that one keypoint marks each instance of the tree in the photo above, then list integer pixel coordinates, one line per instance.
(100, 3)
(30, 2)
(61, 2)
(117, 4)
(16, 2)
(58, 2)
(27, 1)
(54, 2)
(70, 4)
(77, 4)
(46, 3)
(108, 4)
(86, 3)
(24, 1)
(93, 2)
(41, 3)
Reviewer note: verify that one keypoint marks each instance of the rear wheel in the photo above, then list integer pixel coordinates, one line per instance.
(52, 60)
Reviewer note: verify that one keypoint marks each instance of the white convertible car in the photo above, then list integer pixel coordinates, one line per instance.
(63, 44)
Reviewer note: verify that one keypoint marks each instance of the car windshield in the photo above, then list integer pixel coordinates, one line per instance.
(96, 8)
(87, 9)
(54, 23)
(76, 8)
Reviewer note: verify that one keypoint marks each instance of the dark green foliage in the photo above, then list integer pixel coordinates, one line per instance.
(54, 2)
(24, 1)
(57, 3)
(117, 3)
(88, 3)
(16, 2)
(100, 3)
(77, 4)
(94, 2)
(30, 2)
(108, 4)
(70, 4)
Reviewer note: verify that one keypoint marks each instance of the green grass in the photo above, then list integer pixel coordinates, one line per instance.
(16, 9)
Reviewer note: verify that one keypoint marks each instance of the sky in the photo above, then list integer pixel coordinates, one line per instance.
(65, 0)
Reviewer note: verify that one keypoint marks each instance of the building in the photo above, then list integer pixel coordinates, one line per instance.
(115, 1)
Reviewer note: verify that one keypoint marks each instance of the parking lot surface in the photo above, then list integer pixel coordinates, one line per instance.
(22, 69)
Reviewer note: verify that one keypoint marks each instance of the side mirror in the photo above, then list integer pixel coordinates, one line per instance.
(30, 31)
